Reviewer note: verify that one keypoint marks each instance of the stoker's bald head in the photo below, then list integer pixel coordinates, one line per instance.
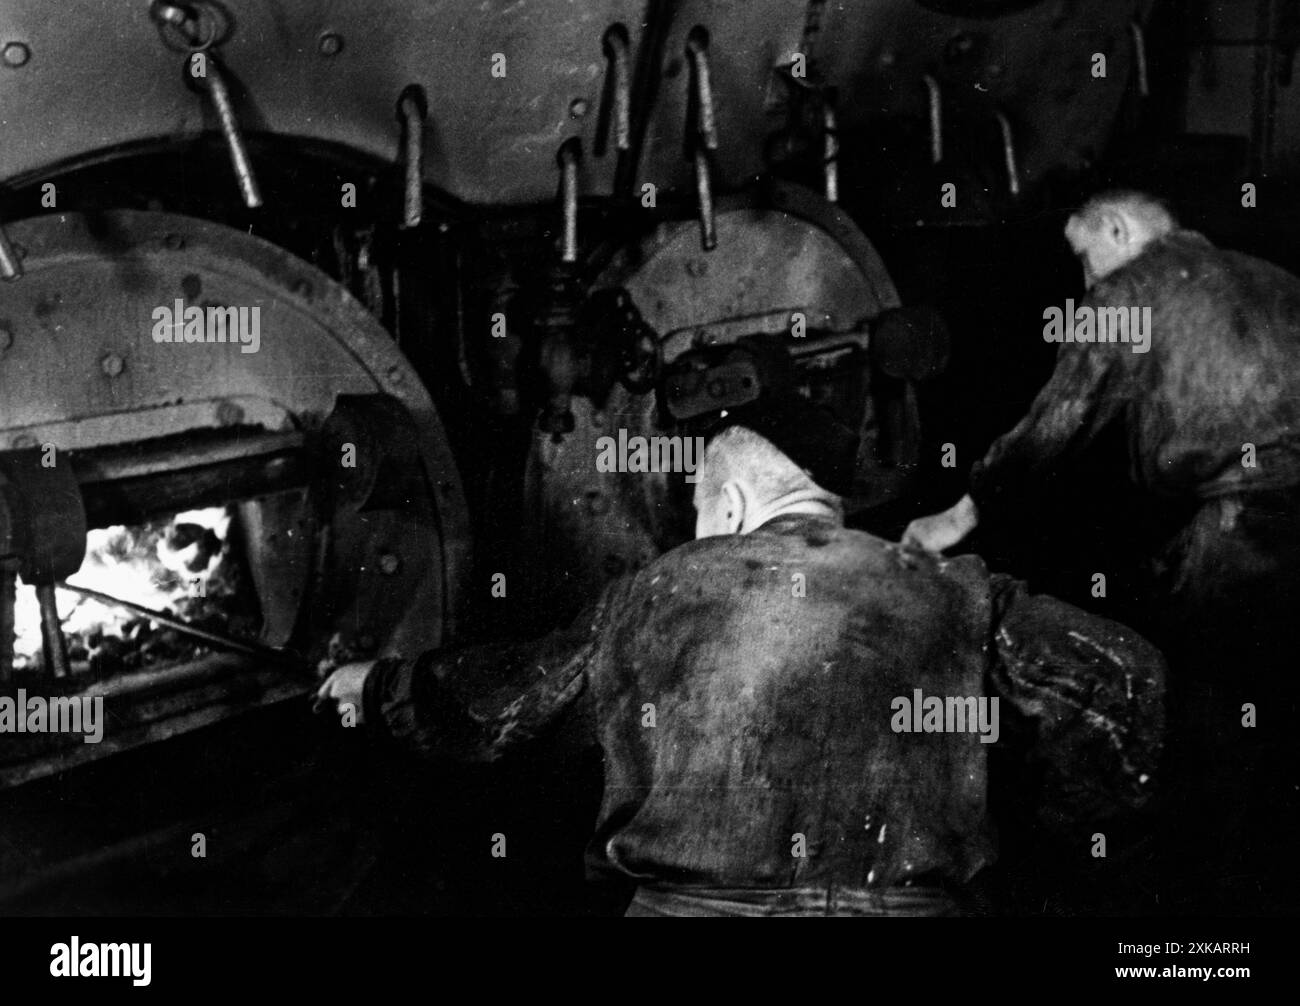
(745, 479)
(1112, 229)
(778, 454)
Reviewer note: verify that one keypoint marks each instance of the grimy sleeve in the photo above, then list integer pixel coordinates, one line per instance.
(479, 703)
(1086, 701)
(1086, 391)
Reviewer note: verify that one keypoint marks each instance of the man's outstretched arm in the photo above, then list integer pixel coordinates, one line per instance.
(1086, 391)
(477, 703)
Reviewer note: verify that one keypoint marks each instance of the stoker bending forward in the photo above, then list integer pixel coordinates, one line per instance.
(765, 698)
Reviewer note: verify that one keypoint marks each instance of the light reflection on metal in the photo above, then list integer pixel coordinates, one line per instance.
(831, 153)
(616, 45)
(704, 195)
(239, 158)
(936, 119)
(569, 199)
(1140, 58)
(1009, 155)
(411, 109)
(697, 51)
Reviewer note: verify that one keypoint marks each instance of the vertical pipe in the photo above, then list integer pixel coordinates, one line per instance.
(1009, 155)
(647, 66)
(1264, 90)
(56, 647)
(831, 153)
(1140, 58)
(704, 194)
(412, 111)
(569, 199)
(697, 51)
(618, 59)
(706, 134)
(936, 119)
(234, 139)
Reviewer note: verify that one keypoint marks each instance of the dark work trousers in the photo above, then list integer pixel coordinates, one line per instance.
(1227, 615)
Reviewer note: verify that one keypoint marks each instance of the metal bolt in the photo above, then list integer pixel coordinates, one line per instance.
(395, 374)
(112, 364)
(331, 43)
(578, 107)
(173, 242)
(389, 564)
(171, 14)
(16, 54)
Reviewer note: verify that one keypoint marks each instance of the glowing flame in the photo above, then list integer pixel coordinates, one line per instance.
(155, 564)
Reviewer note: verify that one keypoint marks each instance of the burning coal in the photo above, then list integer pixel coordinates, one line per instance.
(183, 566)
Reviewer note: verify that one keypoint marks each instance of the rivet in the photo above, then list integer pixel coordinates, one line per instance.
(389, 563)
(16, 54)
(330, 44)
(112, 364)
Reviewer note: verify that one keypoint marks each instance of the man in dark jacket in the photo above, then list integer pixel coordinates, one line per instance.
(1208, 398)
(797, 718)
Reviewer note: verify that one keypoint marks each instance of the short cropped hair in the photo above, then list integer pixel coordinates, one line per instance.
(739, 451)
(1146, 209)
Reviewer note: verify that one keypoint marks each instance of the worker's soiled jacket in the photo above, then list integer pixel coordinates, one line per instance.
(742, 689)
(1222, 371)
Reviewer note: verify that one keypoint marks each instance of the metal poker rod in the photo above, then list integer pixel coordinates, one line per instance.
(283, 657)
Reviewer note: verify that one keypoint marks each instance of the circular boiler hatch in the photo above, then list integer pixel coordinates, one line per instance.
(179, 368)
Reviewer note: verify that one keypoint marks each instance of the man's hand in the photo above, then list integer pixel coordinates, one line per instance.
(344, 686)
(943, 530)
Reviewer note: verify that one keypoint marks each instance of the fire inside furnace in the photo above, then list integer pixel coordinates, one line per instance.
(187, 566)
